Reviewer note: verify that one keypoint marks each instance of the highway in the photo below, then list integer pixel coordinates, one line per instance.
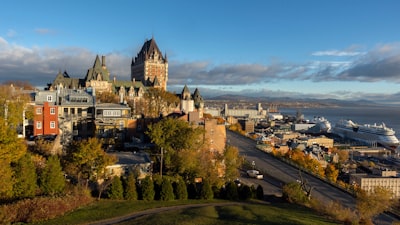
(279, 171)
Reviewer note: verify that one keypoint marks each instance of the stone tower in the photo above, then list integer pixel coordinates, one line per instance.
(150, 66)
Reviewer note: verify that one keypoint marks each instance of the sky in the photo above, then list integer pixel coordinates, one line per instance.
(343, 49)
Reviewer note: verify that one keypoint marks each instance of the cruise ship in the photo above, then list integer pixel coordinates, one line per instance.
(367, 133)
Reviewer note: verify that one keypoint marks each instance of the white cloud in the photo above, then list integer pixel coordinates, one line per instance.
(336, 53)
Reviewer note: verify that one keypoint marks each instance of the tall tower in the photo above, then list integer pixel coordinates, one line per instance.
(150, 66)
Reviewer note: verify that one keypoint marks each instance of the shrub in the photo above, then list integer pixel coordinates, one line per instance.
(206, 191)
(130, 192)
(231, 191)
(293, 193)
(260, 192)
(167, 192)
(116, 190)
(147, 189)
(180, 189)
(245, 192)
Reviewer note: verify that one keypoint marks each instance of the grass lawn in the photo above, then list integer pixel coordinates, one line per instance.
(235, 215)
(278, 213)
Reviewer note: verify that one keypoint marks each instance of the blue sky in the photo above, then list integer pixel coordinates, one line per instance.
(322, 49)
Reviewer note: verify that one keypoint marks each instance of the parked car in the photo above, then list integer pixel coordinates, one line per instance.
(255, 174)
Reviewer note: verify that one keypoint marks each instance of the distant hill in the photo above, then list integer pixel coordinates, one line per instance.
(287, 101)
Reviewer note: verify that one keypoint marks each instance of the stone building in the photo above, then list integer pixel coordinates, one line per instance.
(150, 66)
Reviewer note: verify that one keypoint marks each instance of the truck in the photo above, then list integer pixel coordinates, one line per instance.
(255, 174)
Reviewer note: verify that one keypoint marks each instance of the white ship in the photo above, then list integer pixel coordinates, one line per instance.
(318, 125)
(367, 133)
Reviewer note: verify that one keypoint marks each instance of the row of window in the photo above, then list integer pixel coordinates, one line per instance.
(39, 125)
(39, 111)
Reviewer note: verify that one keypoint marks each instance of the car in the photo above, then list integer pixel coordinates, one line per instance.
(255, 174)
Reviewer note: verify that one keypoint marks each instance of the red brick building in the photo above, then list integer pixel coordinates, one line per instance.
(45, 119)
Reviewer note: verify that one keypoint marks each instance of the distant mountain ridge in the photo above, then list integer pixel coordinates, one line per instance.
(287, 101)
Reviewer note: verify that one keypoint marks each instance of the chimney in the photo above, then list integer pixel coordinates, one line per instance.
(103, 61)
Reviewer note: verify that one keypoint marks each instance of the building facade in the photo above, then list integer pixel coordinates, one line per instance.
(150, 66)
(45, 119)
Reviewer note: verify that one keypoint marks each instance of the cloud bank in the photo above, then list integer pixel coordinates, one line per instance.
(39, 66)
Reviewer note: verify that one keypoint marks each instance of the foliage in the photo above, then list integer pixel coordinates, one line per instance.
(172, 136)
(86, 159)
(245, 192)
(106, 97)
(52, 180)
(156, 102)
(166, 192)
(180, 189)
(231, 191)
(206, 191)
(331, 172)
(130, 192)
(42, 147)
(7, 181)
(147, 189)
(294, 193)
(193, 193)
(343, 154)
(373, 203)
(25, 178)
(232, 162)
(12, 148)
(260, 192)
(116, 190)
(42, 208)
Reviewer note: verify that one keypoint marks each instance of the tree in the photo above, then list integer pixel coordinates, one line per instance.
(52, 180)
(87, 160)
(260, 192)
(245, 192)
(331, 172)
(172, 135)
(371, 204)
(231, 191)
(294, 193)
(7, 181)
(166, 192)
(25, 178)
(232, 162)
(158, 101)
(206, 191)
(130, 192)
(116, 190)
(147, 189)
(12, 148)
(180, 189)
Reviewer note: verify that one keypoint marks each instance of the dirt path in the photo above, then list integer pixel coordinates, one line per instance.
(135, 215)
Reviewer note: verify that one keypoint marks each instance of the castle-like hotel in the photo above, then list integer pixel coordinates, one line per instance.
(70, 108)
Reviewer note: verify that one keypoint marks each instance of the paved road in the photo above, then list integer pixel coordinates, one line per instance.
(285, 173)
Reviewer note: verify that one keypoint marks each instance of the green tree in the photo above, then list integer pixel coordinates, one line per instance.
(147, 189)
(180, 189)
(25, 178)
(206, 191)
(116, 190)
(130, 192)
(294, 193)
(245, 192)
(371, 204)
(12, 148)
(87, 160)
(232, 162)
(172, 135)
(231, 191)
(260, 192)
(52, 180)
(166, 192)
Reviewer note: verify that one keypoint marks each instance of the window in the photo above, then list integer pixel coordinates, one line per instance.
(49, 98)
(52, 124)
(52, 111)
(38, 125)
(38, 111)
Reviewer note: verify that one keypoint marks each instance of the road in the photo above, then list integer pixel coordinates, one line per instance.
(285, 173)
